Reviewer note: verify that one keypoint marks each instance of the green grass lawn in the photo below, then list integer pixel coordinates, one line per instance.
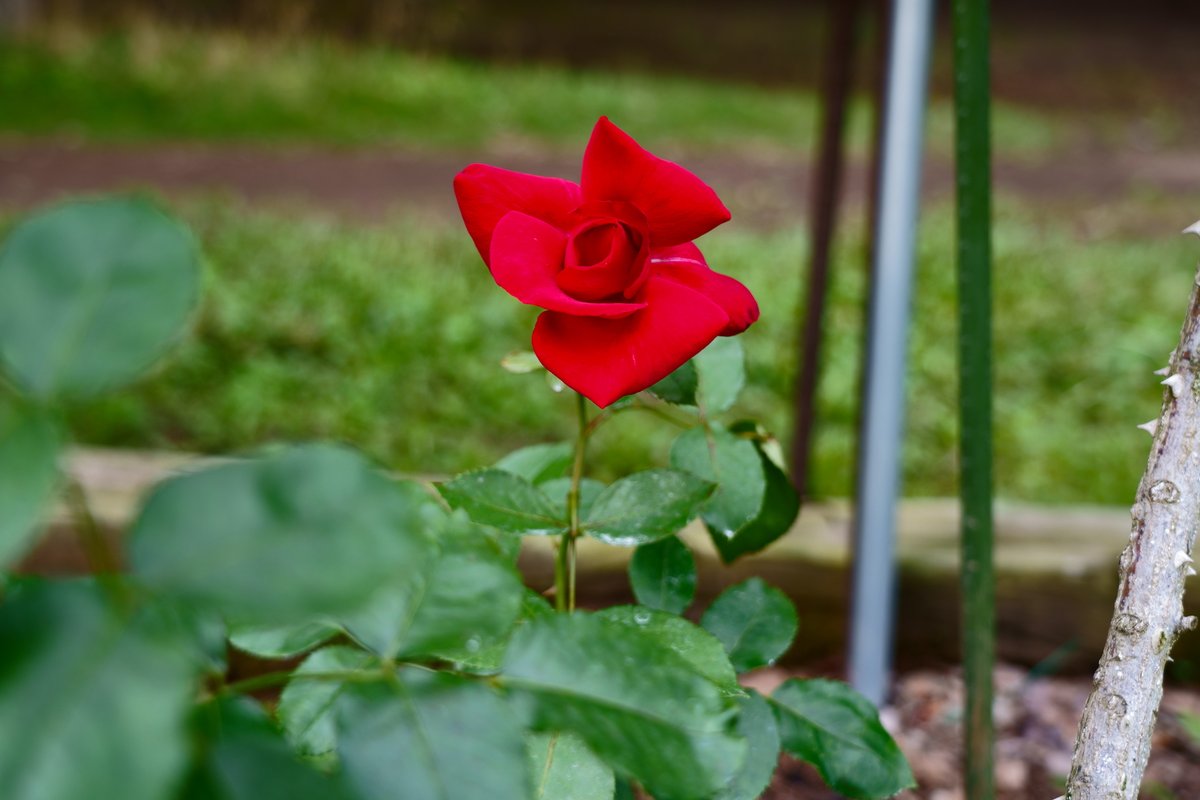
(389, 337)
(154, 83)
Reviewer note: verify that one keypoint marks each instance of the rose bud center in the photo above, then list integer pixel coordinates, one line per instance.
(605, 257)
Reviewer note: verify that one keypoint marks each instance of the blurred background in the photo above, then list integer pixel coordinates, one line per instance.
(311, 145)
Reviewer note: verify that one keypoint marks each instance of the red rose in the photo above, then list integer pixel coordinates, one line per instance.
(628, 297)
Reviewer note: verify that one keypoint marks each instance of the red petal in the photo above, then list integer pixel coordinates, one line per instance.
(526, 256)
(485, 194)
(689, 269)
(678, 205)
(606, 359)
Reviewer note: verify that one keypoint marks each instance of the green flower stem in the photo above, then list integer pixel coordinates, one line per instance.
(564, 573)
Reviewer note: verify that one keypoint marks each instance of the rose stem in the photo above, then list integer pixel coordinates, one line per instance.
(565, 568)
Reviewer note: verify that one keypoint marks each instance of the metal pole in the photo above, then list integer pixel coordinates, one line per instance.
(973, 171)
(872, 611)
(839, 73)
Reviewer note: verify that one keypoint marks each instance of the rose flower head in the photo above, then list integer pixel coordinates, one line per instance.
(628, 297)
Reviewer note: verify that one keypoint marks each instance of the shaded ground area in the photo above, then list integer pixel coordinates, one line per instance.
(1036, 717)
(765, 192)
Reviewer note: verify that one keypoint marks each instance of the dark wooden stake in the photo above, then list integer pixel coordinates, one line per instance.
(827, 178)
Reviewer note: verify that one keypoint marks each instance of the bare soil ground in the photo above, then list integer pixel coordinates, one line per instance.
(763, 191)
(1035, 719)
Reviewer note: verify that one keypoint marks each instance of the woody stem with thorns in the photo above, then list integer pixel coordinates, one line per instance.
(1113, 743)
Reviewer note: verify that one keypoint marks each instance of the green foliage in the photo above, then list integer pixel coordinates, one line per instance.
(564, 769)
(425, 652)
(645, 507)
(835, 729)
(213, 538)
(538, 463)
(241, 757)
(77, 677)
(720, 375)
(91, 293)
(756, 721)
(659, 722)
(663, 575)
(430, 734)
(29, 447)
(503, 500)
(699, 648)
(754, 502)
(680, 386)
(306, 706)
(287, 641)
(755, 622)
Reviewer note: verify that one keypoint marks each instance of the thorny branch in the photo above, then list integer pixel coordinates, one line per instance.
(1113, 743)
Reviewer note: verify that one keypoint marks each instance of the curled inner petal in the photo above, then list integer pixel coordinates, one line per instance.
(526, 258)
(604, 258)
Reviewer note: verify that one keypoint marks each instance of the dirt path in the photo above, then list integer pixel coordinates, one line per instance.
(371, 184)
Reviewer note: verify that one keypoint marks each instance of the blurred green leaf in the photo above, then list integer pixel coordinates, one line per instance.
(284, 641)
(757, 723)
(1191, 725)
(92, 704)
(720, 373)
(646, 506)
(538, 463)
(502, 500)
(241, 756)
(521, 362)
(431, 734)
(635, 703)
(91, 293)
(837, 730)
(679, 387)
(312, 531)
(755, 622)
(702, 651)
(465, 600)
(734, 465)
(29, 446)
(663, 575)
(469, 602)
(306, 704)
(564, 769)
(486, 660)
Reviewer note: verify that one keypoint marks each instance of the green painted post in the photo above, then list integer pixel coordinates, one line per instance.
(973, 162)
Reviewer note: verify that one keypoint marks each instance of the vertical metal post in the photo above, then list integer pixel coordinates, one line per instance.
(839, 72)
(973, 171)
(872, 612)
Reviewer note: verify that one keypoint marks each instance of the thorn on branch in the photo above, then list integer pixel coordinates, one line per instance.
(1176, 383)
(1150, 427)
